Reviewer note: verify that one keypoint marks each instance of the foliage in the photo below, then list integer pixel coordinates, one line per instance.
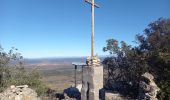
(155, 43)
(12, 72)
(152, 54)
(124, 67)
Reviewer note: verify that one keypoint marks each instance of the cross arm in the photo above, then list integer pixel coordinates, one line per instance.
(96, 5)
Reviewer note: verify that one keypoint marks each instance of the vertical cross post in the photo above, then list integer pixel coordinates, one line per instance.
(91, 2)
(92, 37)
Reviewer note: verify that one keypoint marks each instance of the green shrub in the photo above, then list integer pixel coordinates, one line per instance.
(151, 54)
(12, 72)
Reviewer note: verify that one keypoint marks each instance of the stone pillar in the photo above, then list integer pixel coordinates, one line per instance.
(92, 82)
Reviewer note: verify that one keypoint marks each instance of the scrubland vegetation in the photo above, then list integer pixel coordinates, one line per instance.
(125, 65)
(12, 72)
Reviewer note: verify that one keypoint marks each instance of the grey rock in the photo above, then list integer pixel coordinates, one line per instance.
(147, 87)
(19, 93)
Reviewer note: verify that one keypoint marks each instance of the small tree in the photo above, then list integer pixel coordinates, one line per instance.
(124, 67)
(12, 72)
(155, 43)
(5, 59)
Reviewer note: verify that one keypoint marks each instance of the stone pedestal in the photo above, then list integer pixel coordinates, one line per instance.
(92, 82)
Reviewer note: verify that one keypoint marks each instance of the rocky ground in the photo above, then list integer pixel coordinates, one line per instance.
(19, 93)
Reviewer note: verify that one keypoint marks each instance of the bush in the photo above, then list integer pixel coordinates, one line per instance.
(152, 54)
(125, 68)
(12, 72)
(155, 43)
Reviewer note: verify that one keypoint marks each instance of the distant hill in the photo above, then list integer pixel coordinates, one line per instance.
(53, 63)
(54, 60)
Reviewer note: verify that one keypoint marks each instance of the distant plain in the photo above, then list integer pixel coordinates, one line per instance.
(57, 73)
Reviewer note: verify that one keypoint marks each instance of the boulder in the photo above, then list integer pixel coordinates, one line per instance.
(113, 96)
(21, 92)
(72, 93)
(147, 87)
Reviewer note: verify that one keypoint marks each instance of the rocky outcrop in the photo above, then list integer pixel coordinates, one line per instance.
(147, 88)
(19, 93)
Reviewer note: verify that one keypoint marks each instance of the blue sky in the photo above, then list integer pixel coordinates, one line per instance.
(62, 28)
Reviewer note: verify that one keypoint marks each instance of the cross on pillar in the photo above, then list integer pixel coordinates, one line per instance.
(91, 2)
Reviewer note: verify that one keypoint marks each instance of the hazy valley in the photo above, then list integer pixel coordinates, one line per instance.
(57, 73)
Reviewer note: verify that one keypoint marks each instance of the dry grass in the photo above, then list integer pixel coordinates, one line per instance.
(60, 78)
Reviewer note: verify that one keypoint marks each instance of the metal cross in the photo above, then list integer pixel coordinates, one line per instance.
(91, 2)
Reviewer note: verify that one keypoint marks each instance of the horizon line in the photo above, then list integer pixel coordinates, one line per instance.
(62, 57)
